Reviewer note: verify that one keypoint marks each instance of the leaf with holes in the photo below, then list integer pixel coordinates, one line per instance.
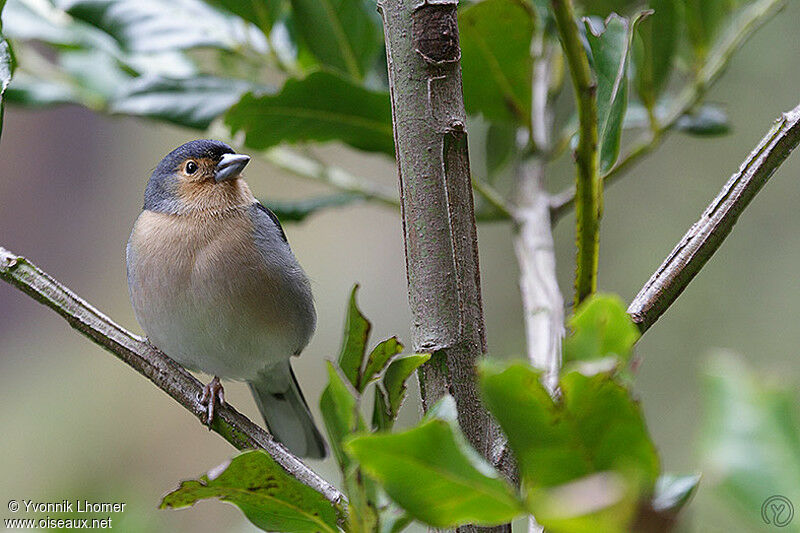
(268, 496)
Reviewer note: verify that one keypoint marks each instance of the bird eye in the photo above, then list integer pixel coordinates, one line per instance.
(191, 167)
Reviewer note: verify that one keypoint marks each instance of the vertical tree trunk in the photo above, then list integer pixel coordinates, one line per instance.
(423, 56)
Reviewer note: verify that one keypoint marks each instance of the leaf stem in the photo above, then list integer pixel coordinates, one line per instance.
(588, 187)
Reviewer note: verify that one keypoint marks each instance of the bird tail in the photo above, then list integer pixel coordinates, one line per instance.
(286, 412)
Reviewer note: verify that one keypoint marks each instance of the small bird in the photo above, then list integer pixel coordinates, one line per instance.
(215, 285)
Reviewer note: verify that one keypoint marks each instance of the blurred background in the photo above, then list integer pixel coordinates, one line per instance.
(78, 424)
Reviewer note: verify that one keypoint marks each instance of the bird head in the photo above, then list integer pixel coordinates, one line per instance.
(199, 175)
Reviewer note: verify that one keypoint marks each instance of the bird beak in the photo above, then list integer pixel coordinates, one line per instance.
(230, 166)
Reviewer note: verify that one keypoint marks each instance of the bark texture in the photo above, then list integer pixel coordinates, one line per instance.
(423, 56)
(716, 222)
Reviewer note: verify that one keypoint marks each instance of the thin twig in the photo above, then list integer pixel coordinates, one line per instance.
(588, 188)
(308, 168)
(750, 20)
(166, 374)
(708, 233)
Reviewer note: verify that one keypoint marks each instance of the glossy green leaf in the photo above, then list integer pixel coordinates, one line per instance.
(299, 210)
(605, 502)
(704, 19)
(750, 441)
(193, 102)
(708, 120)
(654, 48)
(354, 345)
(600, 328)
(594, 427)
(343, 34)
(378, 359)
(321, 107)
(496, 60)
(155, 25)
(395, 377)
(95, 74)
(262, 13)
(268, 496)
(610, 45)
(433, 473)
(340, 414)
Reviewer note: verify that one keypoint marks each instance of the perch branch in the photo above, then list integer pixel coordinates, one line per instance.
(166, 374)
(708, 233)
(750, 20)
(588, 188)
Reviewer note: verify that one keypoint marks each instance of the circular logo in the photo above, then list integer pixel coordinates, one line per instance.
(777, 510)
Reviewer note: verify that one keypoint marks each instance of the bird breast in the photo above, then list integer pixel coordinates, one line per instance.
(211, 298)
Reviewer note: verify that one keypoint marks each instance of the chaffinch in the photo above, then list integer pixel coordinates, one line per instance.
(215, 286)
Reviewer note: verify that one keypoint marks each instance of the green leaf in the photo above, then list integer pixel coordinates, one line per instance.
(707, 121)
(268, 496)
(5, 71)
(496, 59)
(343, 34)
(298, 210)
(148, 26)
(600, 328)
(354, 345)
(340, 414)
(321, 107)
(262, 13)
(594, 427)
(433, 473)
(193, 102)
(674, 491)
(381, 418)
(377, 360)
(28, 91)
(704, 18)
(605, 502)
(500, 144)
(610, 45)
(671, 494)
(654, 49)
(395, 377)
(750, 441)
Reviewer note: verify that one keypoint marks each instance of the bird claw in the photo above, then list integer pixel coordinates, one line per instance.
(212, 393)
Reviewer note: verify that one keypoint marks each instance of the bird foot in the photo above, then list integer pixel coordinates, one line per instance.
(212, 393)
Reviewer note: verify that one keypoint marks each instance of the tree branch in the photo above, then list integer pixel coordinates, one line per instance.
(542, 302)
(422, 51)
(588, 187)
(750, 20)
(165, 373)
(708, 233)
